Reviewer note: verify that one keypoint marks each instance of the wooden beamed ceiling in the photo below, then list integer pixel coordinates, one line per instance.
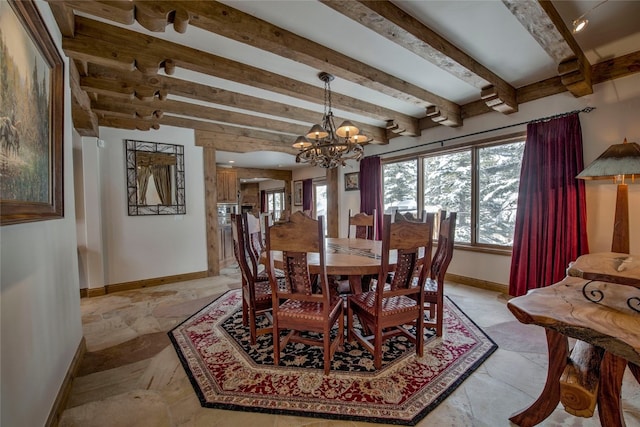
(115, 80)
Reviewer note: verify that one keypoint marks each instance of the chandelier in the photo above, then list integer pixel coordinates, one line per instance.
(325, 145)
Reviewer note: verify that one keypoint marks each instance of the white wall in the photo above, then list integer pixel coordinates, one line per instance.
(39, 299)
(616, 117)
(88, 213)
(150, 246)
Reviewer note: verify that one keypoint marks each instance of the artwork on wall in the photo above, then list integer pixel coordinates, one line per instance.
(297, 193)
(31, 117)
(351, 181)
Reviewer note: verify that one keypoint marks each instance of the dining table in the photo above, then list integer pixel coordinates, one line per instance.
(353, 258)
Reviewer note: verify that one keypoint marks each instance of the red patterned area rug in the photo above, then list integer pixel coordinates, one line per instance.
(227, 372)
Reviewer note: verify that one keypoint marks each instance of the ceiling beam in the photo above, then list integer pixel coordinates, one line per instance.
(130, 85)
(121, 11)
(139, 108)
(546, 26)
(233, 143)
(84, 120)
(126, 50)
(391, 22)
(231, 23)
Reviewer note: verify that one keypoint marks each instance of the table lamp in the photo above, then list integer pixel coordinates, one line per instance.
(618, 162)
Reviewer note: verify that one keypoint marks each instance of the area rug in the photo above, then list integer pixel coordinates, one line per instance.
(227, 372)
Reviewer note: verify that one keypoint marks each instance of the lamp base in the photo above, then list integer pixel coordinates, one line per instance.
(620, 242)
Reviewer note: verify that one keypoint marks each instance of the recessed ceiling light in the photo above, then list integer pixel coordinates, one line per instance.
(232, 161)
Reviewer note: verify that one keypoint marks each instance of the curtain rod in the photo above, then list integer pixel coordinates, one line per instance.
(541, 119)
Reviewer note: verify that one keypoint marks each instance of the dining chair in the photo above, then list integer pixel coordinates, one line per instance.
(256, 290)
(365, 225)
(408, 216)
(394, 308)
(255, 243)
(434, 285)
(296, 307)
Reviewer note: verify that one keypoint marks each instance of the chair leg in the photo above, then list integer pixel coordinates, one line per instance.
(252, 325)
(326, 339)
(377, 347)
(439, 317)
(245, 310)
(420, 333)
(349, 321)
(276, 342)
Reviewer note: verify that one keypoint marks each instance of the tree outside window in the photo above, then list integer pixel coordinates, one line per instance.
(480, 183)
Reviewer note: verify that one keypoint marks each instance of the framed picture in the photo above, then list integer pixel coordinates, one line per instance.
(31, 117)
(297, 193)
(352, 181)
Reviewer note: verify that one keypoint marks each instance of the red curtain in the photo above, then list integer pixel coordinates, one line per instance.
(551, 218)
(307, 194)
(371, 189)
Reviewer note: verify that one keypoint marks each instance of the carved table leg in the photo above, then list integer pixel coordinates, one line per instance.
(611, 373)
(558, 351)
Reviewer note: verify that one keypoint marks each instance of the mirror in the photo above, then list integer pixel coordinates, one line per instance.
(155, 178)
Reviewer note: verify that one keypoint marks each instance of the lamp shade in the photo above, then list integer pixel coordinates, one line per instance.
(347, 129)
(301, 143)
(317, 132)
(619, 159)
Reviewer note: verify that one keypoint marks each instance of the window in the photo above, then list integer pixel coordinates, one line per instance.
(320, 199)
(447, 185)
(400, 185)
(480, 183)
(275, 203)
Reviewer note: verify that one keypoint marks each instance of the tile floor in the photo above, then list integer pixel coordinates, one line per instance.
(131, 375)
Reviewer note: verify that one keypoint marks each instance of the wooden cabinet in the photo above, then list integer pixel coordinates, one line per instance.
(227, 186)
(225, 246)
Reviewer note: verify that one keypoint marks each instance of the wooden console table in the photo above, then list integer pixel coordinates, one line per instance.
(611, 324)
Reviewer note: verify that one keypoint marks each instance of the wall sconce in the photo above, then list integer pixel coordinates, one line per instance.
(618, 162)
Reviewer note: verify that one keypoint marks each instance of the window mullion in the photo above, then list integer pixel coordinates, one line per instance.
(475, 192)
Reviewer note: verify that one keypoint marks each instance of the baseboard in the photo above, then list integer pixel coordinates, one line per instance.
(92, 292)
(62, 398)
(477, 283)
(147, 283)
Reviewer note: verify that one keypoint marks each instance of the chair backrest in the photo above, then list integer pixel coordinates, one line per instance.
(408, 216)
(444, 251)
(413, 241)
(295, 239)
(253, 239)
(365, 225)
(240, 249)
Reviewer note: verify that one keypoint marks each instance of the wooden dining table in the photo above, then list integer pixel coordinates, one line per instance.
(353, 258)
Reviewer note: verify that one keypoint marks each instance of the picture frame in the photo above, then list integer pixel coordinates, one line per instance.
(31, 118)
(297, 193)
(352, 181)
(155, 178)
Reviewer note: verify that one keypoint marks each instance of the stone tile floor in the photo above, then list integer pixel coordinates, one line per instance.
(131, 375)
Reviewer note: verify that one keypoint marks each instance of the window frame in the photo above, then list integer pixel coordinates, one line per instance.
(474, 147)
(273, 192)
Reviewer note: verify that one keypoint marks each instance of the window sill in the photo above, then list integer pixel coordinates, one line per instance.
(484, 249)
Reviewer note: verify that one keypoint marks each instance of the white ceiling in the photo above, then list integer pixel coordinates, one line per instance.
(484, 29)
